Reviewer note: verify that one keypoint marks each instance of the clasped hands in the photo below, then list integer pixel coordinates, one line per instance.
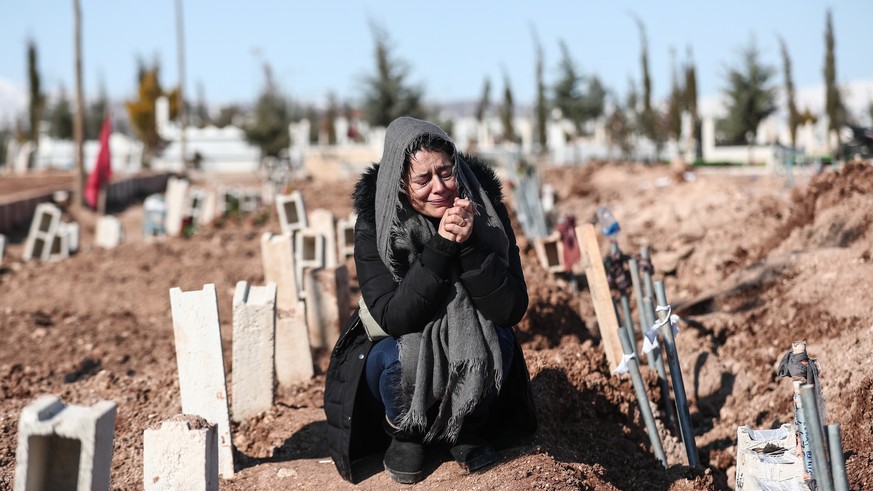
(457, 222)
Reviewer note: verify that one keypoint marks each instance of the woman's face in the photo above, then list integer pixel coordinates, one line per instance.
(430, 183)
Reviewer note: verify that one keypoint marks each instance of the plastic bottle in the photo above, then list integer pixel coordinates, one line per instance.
(608, 224)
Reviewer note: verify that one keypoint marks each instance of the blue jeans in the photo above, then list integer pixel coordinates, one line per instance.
(382, 372)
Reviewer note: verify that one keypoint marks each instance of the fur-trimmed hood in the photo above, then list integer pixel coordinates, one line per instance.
(364, 195)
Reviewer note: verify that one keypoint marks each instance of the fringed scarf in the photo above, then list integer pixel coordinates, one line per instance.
(455, 361)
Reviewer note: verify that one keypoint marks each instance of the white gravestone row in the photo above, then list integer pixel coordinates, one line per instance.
(190, 451)
(320, 278)
(201, 206)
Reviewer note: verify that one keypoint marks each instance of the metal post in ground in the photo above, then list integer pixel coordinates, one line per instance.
(649, 308)
(648, 284)
(838, 461)
(802, 432)
(628, 322)
(645, 322)
(643, 399)
(618, 280)
(676, 376)
(816, 438)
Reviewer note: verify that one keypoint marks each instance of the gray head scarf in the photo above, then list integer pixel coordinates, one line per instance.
(455, 360)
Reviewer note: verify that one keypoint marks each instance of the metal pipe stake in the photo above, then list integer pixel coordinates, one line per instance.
(643, 399)
(816, 438)
(645, 322)
(838, 461)
(658, 359)
(629, 322)
(676, 376)
(802, 432)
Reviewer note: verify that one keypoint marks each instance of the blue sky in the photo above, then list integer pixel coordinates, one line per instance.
(316, 47)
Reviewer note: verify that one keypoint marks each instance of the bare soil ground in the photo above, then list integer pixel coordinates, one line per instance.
(749, 263)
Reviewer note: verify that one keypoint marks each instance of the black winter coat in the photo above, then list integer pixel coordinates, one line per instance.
(497, 289)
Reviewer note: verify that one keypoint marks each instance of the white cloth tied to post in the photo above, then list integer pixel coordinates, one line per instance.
(650, 337)
(621, 369)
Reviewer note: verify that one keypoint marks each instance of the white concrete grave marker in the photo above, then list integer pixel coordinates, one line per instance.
(322, 221)
(550, 251)
(327, 304)
(60, 245)
(195, 204)
(2, 247)
(64, 447)
(293, 354)
(43, 228)
(345, 236)
(292, 214)
(308, 254)
(181, 453)
(109, 233)
(177, 190)
(200, 361)
(277, 253)
(250, 201)
(254, 349)
(209, 208)
(71, 231)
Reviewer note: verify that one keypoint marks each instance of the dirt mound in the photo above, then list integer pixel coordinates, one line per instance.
(750, 265)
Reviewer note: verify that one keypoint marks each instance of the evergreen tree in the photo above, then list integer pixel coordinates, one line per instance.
(227, 115)
(690, 102)
(647, 118)
(37, 98)
(834, 107)
(619, 129)
(268, 128)
(675, 102)
(577, 104)
(484, 101)
(793, 114)
(507, 111)
(387, 95)
(541, 110)
(647, 121)
(750, 96)
(60, 118)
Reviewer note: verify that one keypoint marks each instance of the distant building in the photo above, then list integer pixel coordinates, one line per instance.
(221, 150)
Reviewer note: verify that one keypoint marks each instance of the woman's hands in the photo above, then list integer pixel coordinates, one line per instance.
(457, 222)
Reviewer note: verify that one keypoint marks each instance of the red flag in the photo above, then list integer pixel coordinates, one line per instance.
(102, 168)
